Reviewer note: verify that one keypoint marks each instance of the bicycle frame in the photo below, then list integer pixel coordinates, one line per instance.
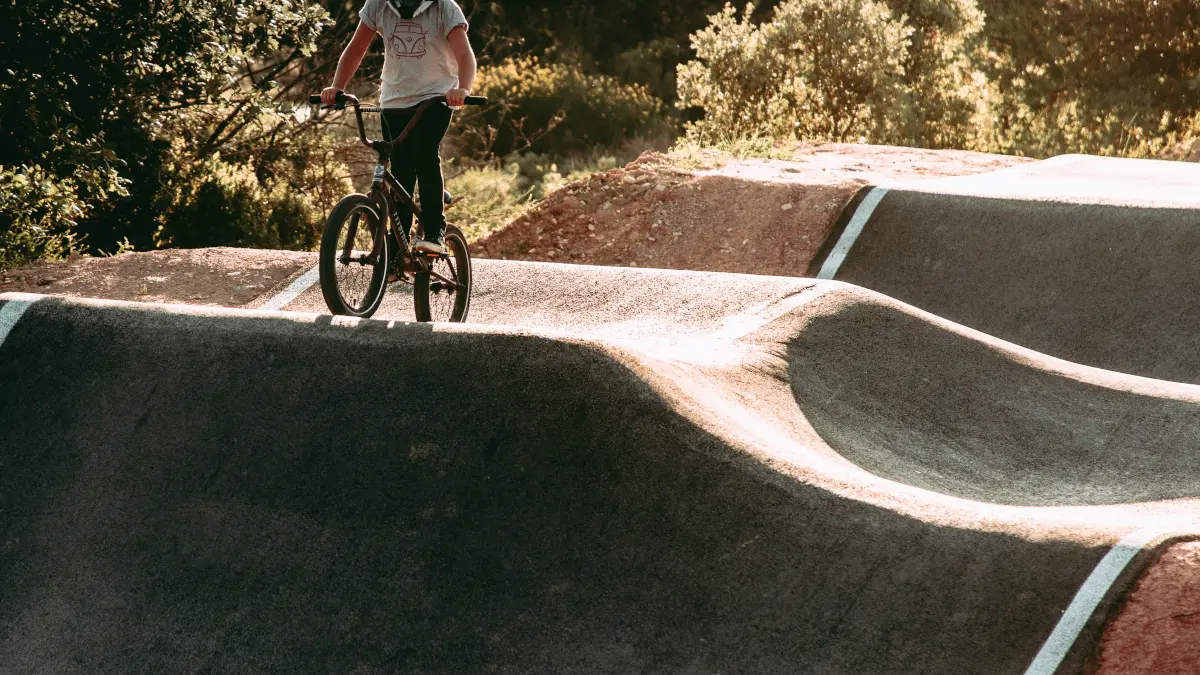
(385, 188)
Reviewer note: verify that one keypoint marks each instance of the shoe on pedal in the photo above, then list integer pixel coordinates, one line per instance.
(431, 245)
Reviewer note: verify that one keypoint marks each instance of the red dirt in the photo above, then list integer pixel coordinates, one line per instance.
(757, 216)
(226, 277)
(1158, 629)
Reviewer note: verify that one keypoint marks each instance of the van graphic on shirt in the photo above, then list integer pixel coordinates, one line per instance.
(408, 40)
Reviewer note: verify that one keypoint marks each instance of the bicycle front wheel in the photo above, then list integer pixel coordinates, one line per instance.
(354, 257)
(444, 292)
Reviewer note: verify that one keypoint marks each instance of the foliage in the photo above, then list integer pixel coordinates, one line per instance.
(596, 35)
(489, 196)
(89, 89)
(220, 203)
(549, 107)
(652, 63)
(39, 209)
(1115, 77)
(123, 122)
(941, 92)
(821, 69)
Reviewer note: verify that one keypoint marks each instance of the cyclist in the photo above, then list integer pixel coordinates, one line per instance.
(427, 54)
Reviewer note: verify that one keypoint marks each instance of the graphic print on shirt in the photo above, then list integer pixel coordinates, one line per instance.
(408, 40)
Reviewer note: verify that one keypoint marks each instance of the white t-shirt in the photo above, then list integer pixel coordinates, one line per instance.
(418, 63)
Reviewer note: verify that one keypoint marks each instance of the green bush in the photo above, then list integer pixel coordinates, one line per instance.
(554, 109)
(40, 210)
(942, 93)
(222, 204)
(89, 89)
(488, 198)
(653, 63)
(820, 69)
(1112, 77)
(38, 213)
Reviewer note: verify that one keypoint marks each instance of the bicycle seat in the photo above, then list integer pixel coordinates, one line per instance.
(447, 197)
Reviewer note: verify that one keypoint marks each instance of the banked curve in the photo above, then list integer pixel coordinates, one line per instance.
(484, 497)
(926, 402)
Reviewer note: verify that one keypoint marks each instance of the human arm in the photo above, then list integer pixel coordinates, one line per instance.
(465, 56)
(352, 56)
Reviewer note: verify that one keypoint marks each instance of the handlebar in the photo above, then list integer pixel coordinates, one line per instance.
(343, 99)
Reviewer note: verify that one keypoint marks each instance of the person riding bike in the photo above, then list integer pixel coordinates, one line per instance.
(427, 54)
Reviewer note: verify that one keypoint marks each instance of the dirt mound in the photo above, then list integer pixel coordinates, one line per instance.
(714, 213)
(225, 277)
(1155, 630)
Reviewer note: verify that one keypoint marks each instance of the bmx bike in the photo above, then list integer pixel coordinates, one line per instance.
(363, 236)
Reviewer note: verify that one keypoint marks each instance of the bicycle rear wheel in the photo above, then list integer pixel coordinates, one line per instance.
(444, 293)
(354, 257)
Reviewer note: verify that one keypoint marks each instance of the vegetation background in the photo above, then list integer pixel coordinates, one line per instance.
(136, 124)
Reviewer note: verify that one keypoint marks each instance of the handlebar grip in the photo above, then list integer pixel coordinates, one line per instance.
(476, 100)
(342, 99)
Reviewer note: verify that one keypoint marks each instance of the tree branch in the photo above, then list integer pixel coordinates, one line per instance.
(210, 144)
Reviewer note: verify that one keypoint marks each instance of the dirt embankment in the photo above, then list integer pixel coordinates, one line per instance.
(1156, 631)
(705, 212)
(224, 277)
(756, 216)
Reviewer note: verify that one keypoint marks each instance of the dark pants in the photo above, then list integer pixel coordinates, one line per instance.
(416, 162)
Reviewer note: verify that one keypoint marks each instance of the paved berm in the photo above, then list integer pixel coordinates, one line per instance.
(612, 471)
(229, 490)
(1090, 259)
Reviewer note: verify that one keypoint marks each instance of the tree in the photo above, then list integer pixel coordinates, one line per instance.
(819, 69)
(1098, 76)
(90, 90)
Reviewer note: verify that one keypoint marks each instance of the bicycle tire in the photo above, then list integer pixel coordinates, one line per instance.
(426, 288)
(335, 287)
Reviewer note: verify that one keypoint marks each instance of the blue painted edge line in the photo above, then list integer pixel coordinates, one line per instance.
(293, 291)
(14, 307)
(853, 229)
(1093, 590)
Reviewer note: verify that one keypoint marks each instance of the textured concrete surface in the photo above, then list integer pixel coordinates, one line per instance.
(604, 302)
(1088, 259)
(575, 488)
(925, 403)
(619, 470)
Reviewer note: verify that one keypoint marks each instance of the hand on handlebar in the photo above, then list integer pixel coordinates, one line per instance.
(456, 98)
(329, 95)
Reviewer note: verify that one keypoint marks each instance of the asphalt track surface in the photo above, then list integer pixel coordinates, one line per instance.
(1089, 259)
(612, 470)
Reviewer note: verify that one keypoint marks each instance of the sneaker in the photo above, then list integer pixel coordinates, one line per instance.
(437, 246)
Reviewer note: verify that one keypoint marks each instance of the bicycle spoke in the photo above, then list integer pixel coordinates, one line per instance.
(449, 282)
(356, 267)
